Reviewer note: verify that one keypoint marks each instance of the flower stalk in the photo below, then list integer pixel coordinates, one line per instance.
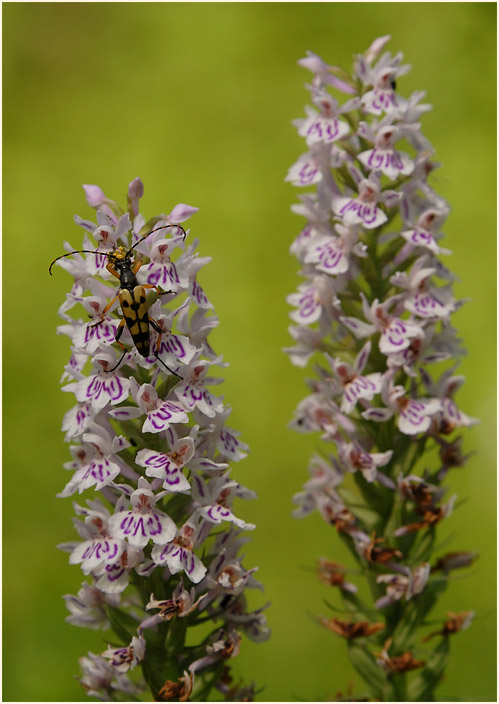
(373, 312)
(159, 544)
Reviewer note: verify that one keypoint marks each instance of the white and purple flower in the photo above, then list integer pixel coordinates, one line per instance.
(154, 416)
(369, 314)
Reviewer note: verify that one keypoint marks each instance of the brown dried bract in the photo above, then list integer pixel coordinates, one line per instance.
(375, 553)
(418, 491)
(451, 454)
(234, 692)
(454, 623)
(180, 690)
(330, 573)
(352, 629)
(344, 521)
(431, 515)
(421, 495)
(454, 560)
(227, 646)
(399, 663)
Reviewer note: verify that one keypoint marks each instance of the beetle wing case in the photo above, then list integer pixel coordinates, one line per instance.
(134, 307)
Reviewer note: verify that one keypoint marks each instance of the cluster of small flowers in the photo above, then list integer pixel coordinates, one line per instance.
(156, 447)
(372, 307)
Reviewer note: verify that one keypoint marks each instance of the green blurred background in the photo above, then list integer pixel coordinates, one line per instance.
(197, 99)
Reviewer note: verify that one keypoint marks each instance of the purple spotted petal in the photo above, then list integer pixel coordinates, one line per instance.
(379, 415)
(161, 418)
(126, 413)
(305, 172)
(100, 473)
(362, 357)
(198, 295)
(309, 307)
(412, 419)
(330, 258)
(161, 466)
(391, 162)
(421, 238)
(76, 420)
(230, 447)
(114, 579)
(177, 559)
(175, 348)
(379, 100)
(397, 336)
(425, 305)
(196, 395)
(91, 335)
(217, 513)
(324, 129)
(358, 327)
(101, 389)
(355, 211)
(165, 275)
(362, 387)
(93, 553)
(138, 528)
(203, 464)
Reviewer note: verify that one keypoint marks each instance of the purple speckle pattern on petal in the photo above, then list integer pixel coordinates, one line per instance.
(308, 174)
(199, 295)
(331, 259)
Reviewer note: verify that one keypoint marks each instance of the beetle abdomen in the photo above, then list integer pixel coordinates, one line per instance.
(134, 309)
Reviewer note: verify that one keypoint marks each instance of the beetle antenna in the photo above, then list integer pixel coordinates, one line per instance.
(79, 251)
(118, 362)
(156, 230)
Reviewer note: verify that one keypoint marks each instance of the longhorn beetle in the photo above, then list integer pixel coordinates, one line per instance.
(131, 296)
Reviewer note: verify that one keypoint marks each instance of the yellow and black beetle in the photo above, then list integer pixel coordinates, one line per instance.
(131, 296)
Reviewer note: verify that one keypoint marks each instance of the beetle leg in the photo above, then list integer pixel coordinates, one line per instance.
(160, 331)
(136, 266)
(156, 327)
(112, 271)
(159, 291)
(104, 311)
(119, 332)
(108, 306)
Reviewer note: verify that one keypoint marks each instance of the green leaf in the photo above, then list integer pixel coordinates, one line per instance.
(430, 595)
(394, 519)
(377, 498)
(423, 549)
(414, 613)
(124, 625)
(167, 385)
(205, 681)
(421, 689)
(405, 631)
(419, 448)
(345, 178)
(367, 667)
(156, 669)
(349, 543)
(176, 635)
(366, 515)
(357, 607)
(176, 505)
(398, 682)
